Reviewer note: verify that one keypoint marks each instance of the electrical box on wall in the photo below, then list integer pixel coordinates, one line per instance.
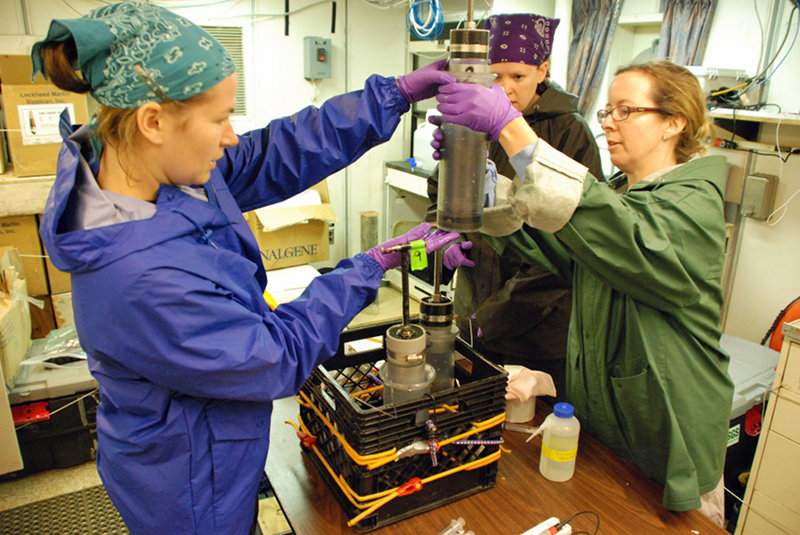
(316, 58)
(758, 195)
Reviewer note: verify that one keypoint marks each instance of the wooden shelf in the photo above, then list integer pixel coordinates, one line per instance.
(23, 195)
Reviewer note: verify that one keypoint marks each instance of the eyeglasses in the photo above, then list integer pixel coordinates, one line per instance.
(620, 113)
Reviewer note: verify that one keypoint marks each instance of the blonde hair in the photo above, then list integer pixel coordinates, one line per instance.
(115, 126)
(676, 91)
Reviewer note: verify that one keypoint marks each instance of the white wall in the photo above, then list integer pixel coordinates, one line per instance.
(766, 276)
(376, 45)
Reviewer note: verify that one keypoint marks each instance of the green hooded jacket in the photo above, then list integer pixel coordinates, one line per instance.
(645, 370)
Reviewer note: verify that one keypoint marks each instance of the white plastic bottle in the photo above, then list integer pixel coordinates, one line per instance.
(559, 443)
(423, 135)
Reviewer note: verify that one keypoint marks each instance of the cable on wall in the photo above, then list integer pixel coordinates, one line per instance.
(425, 19)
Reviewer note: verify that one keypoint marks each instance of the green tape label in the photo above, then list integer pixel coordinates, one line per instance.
(419, 257)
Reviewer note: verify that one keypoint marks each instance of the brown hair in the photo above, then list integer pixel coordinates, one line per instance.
(676, 91)
(544, 84)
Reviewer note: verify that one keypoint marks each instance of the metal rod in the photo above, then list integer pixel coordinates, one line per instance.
(404, 262)
(404, 249)
(470, 8)
(437, 276)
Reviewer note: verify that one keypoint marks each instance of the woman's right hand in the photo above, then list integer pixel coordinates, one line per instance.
(477, 107)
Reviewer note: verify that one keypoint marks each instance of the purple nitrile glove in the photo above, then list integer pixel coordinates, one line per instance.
(480, 331)
(476, 107)
(454, 255)
(422, 83)
(433, 240)
(438, 135)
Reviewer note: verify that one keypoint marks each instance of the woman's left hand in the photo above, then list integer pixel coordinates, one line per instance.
(454, 256)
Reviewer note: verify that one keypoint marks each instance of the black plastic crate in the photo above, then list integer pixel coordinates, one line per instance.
(67, 439)
(370, 428)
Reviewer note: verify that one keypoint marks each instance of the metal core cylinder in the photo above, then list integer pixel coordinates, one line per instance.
(437, 319)
(463, 152)
(405, 374)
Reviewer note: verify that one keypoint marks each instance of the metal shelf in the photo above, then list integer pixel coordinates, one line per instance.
(783, 118)
(23, 195)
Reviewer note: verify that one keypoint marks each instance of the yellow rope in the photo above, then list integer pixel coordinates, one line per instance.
(377, 500)
(362, 460)
(478, 463)
(364, 393)
(477, 428)
(376, 460)
(444, 408)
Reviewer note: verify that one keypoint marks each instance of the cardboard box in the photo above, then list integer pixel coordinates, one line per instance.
(10, 456)
(62, 309)
(43, 320)
(4, 158)
(32, 111)
(294, 232)
(22, 233)
(15, 317)
(58, 280)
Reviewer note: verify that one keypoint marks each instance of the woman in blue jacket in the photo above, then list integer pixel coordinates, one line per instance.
(167, 280)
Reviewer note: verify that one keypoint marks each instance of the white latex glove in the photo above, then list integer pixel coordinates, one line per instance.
(524, 383)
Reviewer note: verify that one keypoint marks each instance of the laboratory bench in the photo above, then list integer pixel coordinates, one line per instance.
(626, 501)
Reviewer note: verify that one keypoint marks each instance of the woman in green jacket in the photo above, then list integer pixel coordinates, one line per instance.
(645, 370)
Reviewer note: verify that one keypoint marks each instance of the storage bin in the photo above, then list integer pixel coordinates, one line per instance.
(67, 439)
(339, 400)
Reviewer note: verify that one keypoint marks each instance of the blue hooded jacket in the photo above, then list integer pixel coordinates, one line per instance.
(170, 310)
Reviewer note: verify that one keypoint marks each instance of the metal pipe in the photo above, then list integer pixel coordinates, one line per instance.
(405, 331)
(437, 276)
(772, 32)
(404, 262)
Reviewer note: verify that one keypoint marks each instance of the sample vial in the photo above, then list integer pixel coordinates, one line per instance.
(559, 443)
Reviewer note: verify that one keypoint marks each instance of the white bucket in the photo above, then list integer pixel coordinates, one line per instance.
(520, 411)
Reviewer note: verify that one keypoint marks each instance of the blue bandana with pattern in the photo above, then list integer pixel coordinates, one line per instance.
(132, 53)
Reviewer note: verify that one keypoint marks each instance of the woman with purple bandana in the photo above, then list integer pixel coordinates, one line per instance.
(523, 311)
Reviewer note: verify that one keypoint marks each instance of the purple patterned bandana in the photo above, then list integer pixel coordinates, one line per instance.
(520, 38)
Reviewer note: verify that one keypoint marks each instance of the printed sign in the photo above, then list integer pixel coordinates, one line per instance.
(39, 122)
(733, 435)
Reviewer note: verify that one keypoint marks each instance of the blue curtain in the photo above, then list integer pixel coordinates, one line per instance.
(684, 30)
(593, 25)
